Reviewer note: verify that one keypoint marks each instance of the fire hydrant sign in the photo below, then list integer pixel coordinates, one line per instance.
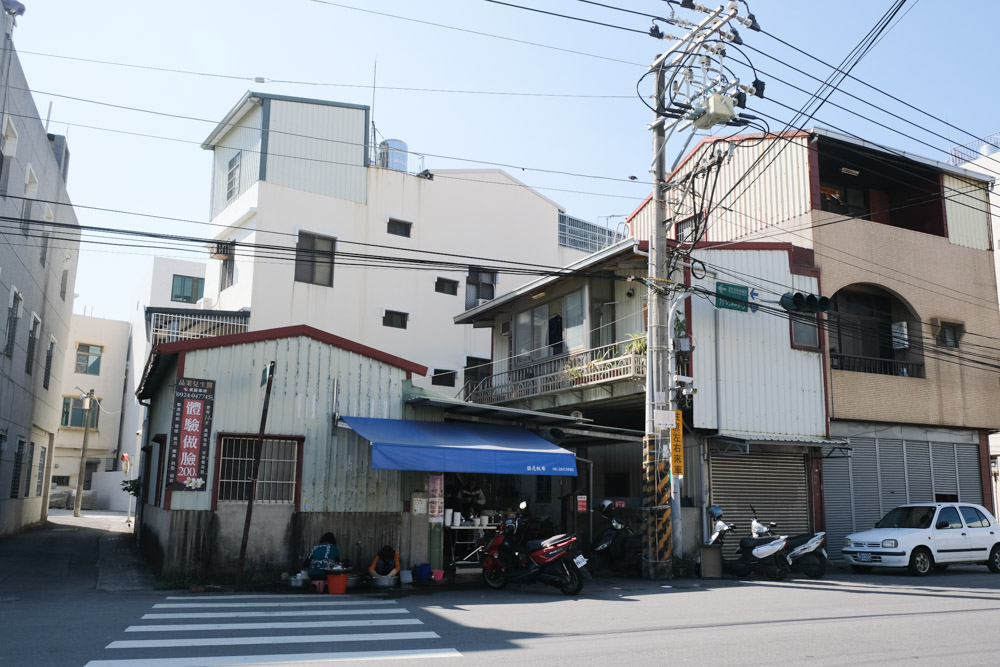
(191, 427)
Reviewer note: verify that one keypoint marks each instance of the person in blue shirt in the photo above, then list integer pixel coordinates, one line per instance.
(323, 556)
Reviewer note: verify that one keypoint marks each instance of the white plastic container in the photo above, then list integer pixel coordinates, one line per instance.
(447, 517)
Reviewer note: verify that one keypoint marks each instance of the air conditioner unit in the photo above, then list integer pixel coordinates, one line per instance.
(207, 303)
(480, 302)
(223, 250)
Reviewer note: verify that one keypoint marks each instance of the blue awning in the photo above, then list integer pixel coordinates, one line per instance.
(399, 444)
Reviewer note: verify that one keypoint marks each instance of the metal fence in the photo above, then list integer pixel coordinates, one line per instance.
(173, 327)
(967, 152)
(847, 362)
(586, 236)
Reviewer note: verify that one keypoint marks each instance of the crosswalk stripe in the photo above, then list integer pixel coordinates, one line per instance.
(236, 605)
(277, 639)
(297, 625)
(241, 596)
(269, 614)
(299, 659)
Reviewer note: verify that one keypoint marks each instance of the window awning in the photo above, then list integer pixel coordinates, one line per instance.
(399, 444)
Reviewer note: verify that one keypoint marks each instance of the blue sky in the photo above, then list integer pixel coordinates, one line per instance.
(937, 58)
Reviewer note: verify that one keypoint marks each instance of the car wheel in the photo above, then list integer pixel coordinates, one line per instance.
(994, 562)
(940, 567)
(862, 569)
(921, 562)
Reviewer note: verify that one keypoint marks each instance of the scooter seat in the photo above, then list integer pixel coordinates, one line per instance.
(796, 541)
(535, 545)
(749, 543)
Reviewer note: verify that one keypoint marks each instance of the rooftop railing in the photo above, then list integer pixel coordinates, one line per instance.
(170, 327)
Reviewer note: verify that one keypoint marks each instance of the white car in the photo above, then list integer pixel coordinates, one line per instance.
(923, 536)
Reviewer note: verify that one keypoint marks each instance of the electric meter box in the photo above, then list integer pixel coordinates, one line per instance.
(718, 109)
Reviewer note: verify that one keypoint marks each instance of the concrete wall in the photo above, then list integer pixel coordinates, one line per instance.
(938, 280)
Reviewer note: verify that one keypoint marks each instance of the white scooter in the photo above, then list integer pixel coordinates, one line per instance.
(763, 555)
(805, 552)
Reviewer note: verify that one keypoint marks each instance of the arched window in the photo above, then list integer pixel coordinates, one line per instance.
(874, 331)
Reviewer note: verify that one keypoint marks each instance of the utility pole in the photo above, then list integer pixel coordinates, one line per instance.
(655, 461)
(88, 402)
(253, 479)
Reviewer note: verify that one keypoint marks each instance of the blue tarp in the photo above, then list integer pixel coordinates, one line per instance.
(399, 444)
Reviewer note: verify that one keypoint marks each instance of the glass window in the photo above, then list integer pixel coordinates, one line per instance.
(950, 516)
(908, 517)
(974, 518)
(15, 480)
(480, 285)
(73, 414)
(88, 359)
(187, 289)
(573, 319)
(949, 334)
(314, 258)
(805, 330)
(49, 353)
(394, 319)
(233, 175)
(41, 473)
(33, 334)
(399, 228)
(13, 316)
(445, 286)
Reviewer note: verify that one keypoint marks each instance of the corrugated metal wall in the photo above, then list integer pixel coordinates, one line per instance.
(967, 210)
(318, 148)
(883, 473)
(245, 139)
(780, 194)
(336, 474)
(765, 386)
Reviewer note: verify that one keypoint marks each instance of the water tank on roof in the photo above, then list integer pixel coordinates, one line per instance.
(987, 149)
(392, 154)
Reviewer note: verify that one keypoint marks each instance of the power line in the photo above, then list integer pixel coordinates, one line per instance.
(478, 33)
(566, 16)
(257, 79)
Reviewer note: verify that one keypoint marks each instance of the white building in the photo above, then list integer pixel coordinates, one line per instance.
(310, 222)
(96, 359)
(38, 260)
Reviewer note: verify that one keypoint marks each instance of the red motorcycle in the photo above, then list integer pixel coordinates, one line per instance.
(554, 561)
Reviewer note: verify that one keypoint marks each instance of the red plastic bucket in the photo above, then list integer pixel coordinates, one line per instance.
(336, 583)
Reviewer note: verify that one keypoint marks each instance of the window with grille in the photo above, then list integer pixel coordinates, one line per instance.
(233, 175)
(15, 480)
(63, 284)
(27, 476)
(228, 272)
(60, 480)
(41, 473)
(49, 353)
(395, 319)
(88, 359)
(36, 331)
(314, 259)
(13, 315)
(277, 475)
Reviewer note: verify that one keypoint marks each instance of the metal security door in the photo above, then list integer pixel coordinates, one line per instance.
(774, 483)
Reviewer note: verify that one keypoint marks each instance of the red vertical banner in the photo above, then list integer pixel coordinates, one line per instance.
(191, 428)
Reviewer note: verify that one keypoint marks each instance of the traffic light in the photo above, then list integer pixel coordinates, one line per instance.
(804, 303)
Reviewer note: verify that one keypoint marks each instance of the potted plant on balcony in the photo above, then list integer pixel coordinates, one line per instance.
(635, 343)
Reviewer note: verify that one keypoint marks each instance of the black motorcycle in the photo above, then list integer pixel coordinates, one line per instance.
(619, 549)
(763, 555)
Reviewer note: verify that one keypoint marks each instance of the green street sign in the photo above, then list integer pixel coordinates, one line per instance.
(732, 297)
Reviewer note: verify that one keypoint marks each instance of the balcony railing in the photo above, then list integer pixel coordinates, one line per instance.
(847, 362)
(170, 327)
(608, 363)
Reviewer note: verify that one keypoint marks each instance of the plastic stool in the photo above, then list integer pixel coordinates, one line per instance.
(319, 585)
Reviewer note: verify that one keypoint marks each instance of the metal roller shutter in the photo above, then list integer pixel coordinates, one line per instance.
(884, 473)
(775, 484)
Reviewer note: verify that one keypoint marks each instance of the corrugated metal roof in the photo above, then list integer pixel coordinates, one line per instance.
(778, 439)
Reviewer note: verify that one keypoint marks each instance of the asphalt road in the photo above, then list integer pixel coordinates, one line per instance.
(73, 593)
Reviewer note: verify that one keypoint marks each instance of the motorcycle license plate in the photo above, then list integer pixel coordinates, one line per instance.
(580, 561)
(864, 557)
